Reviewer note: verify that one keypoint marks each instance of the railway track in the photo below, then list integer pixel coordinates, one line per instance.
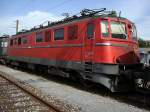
(132, 99)
(14, 98)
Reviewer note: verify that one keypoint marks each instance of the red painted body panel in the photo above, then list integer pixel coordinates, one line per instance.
(82, 49)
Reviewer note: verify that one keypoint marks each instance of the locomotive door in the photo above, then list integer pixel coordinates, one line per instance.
(88, 48)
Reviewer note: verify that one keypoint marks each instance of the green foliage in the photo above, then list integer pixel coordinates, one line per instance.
(143, 43)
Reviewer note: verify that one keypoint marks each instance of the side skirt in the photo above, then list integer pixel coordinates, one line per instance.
(104, 74)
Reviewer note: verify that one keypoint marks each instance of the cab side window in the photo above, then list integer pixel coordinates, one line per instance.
(90, 30)
(134, 33)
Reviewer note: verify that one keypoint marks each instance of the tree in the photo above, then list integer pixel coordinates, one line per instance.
(143, 43)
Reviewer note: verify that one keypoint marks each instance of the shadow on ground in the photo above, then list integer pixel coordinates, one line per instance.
(134, 99)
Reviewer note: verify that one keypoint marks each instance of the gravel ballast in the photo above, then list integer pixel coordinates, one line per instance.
(83, 100)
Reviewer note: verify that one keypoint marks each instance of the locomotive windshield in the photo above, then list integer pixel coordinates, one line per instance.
(105, 28)
(118, 30)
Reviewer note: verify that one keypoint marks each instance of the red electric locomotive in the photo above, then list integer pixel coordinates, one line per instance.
(97, 46)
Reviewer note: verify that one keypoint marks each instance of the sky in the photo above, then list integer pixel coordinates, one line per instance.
(34, 12)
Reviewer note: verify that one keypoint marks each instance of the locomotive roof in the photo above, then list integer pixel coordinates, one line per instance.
(84, 15)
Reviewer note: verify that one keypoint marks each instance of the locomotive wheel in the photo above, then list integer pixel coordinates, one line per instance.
(77, 77)
(86, 83)
(3, 62)
(42, 70)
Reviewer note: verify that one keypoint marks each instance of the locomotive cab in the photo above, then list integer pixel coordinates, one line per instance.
(119, 39)
(116, 53)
